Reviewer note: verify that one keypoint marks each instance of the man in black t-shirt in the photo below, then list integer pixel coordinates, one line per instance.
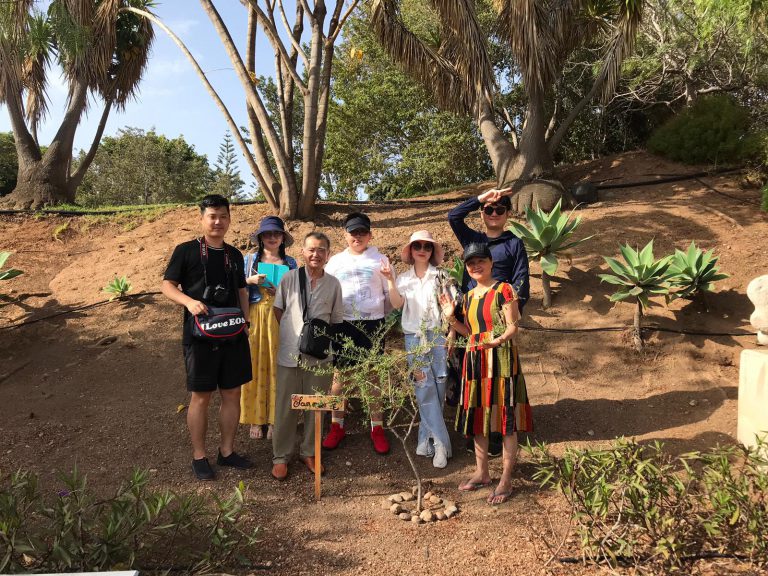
(210, 262)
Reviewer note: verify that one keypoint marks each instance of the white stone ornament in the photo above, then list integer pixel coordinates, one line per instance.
(757, 292)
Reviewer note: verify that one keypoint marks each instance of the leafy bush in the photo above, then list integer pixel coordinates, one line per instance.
(693, 272)
(136, 528)
(10, 272)
(641, 277)
(548, 237)
(118, 287)
(714, 130)
(634, 504)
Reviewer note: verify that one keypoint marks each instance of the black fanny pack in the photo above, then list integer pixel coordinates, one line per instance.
(219, 325)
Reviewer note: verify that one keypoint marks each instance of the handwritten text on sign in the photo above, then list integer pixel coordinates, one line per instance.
(316, 402)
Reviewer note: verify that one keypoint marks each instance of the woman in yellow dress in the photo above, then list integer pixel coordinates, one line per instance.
(257, 398)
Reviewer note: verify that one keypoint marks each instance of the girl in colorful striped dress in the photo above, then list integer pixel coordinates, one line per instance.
(493, 393)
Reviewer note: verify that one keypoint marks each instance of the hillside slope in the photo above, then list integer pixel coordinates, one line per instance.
(100, 387)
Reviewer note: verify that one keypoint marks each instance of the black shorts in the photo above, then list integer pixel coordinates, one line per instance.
(360, 333)
(212, 366)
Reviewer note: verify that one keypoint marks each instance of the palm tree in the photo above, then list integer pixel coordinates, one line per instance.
(541, 35)
(102, 50)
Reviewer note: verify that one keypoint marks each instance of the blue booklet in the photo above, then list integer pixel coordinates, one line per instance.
(273, 272)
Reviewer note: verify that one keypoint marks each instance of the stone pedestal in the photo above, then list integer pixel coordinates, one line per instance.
(753, 397)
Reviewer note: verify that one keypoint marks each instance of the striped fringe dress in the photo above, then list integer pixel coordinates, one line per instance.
(493, 393)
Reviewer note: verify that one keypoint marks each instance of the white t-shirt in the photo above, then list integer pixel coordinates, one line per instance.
(363, 287)
(420, 310)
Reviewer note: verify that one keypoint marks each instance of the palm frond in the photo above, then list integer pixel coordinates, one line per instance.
(525, 25)
(37, 60)
(621, 45)
(416, 58)
(467, 44)
(133, 41)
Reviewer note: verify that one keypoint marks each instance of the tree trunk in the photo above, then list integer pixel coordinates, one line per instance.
(637, 330)
(534, 159)
(547, 301)
(41, 183)
(515, 167)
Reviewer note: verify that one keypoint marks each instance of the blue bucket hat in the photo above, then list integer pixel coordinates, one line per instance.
(272, 224)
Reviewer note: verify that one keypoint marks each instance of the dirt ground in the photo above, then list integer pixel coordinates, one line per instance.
(99, 387)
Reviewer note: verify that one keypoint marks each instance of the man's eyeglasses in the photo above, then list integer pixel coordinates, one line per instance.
(313, 251)
(360, 232)
(498, 210)
(426, 246)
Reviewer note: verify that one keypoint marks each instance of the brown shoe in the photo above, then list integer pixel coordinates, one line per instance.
(309, 462)
(280, 471)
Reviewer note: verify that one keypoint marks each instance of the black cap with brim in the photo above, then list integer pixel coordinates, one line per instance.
(361, 222)
(477, 250)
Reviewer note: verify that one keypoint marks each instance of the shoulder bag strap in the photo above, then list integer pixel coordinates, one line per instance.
(303, 290)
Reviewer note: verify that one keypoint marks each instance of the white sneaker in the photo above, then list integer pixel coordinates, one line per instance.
(425, 450)
(441, 457)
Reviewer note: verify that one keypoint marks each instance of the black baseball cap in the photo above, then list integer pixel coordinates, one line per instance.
(477, 250)
(357, 221)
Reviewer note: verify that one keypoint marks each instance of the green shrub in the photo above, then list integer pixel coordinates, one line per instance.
(714, 130)
(636, 505)
(137, 528)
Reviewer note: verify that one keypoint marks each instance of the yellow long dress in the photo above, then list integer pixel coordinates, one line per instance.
(257, 397)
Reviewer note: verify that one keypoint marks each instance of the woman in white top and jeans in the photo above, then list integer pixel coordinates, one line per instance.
(416, 292)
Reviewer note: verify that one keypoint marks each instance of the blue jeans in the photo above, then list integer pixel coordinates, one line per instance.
(429, 390)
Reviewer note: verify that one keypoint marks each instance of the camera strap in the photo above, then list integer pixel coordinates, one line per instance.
(204, 260)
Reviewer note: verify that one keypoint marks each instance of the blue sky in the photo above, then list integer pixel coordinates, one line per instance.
(172, 99)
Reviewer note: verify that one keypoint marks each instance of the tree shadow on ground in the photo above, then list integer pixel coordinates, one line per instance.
(571, 420)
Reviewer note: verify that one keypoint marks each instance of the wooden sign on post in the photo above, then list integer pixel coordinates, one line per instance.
(318, 404)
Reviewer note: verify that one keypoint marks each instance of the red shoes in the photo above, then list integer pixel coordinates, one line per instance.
(379, 439)
(335, 436)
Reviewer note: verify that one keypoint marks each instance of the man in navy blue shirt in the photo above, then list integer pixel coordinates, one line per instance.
(510, 261)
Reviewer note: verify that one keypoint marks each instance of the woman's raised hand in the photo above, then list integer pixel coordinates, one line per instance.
(447, 305)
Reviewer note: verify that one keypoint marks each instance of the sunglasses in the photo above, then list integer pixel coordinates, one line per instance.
(360, 232)
(426, 246)
(498, 210)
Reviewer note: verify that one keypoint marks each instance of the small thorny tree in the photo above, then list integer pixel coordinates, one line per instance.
(381, 377)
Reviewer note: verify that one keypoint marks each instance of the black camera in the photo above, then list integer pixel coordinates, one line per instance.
(216, 295)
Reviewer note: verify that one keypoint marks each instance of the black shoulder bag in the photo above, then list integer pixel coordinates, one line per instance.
(315, 337)
(221, 324)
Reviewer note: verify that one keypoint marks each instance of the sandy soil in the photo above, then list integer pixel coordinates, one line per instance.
(99, 387)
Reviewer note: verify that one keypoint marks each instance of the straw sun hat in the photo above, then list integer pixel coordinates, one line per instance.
(423, 236)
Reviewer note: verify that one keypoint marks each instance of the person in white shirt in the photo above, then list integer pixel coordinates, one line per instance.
(365, 296)
(416, 292)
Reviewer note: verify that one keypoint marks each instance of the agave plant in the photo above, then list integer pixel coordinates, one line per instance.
(10, 272)
(640, 276)
(549, 235)
(694, 272)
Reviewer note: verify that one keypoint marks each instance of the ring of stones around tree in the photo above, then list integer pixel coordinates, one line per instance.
(434, 508)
